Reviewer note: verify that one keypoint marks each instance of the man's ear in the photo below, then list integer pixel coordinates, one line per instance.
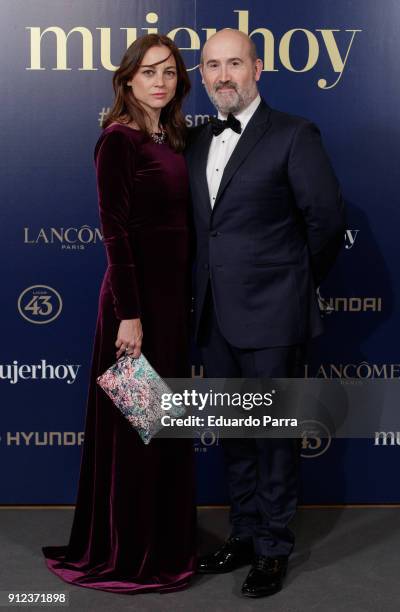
(201, 72)
(258, 66)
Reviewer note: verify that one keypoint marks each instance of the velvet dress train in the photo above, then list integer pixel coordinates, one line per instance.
(134, 522)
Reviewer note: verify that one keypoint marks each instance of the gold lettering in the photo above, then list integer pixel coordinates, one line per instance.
(61, 42)
(313, 50)
(55, 437)
(11, 438)
(57, 234)
(42, 236)
(355, 304)
(41, 442)
(209, 32)
(105, 48)
(151, 18)
(346, 370)
(337, 58)
(26, 234)
(334, 55)
(194, 41)
(338, 302)
(131, 35)
(394, 370)
(380, 372)
(269, 41)
(321, 372)
(150, 30)
(337, 370)
(194, 371)
(67, 233)
(369, 304)
(69, 438)
(194, 38)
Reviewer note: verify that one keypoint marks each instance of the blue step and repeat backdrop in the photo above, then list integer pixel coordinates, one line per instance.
(333, 62)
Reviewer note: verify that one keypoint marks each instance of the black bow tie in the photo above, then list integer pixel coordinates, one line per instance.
(219, 125)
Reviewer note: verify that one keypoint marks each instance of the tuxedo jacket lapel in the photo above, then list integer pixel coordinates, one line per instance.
(255, 129)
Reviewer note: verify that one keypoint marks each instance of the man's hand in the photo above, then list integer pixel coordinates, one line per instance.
(129, 339)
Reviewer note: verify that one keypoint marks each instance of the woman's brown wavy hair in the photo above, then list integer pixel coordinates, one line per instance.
(126, 108)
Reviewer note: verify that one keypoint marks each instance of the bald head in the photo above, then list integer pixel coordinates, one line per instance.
(224, 37)
(230, 70)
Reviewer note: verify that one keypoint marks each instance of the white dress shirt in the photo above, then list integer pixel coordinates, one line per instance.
(222, 147)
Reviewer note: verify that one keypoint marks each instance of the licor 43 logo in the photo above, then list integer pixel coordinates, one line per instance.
(40, 304)
(316, 439)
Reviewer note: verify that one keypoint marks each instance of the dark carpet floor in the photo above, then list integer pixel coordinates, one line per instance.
(345, 559)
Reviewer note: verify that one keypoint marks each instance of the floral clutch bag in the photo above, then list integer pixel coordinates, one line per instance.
(136, 389)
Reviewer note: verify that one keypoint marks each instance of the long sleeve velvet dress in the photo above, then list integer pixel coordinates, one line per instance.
(134, 522)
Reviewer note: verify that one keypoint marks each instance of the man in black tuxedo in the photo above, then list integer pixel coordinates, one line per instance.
(269, 221)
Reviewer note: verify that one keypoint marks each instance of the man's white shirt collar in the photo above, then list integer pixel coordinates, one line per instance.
(221, 148)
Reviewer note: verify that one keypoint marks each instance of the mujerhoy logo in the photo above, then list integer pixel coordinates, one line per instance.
(16, 372)
(327, 48)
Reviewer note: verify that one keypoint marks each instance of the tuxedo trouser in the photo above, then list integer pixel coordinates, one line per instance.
(262, 473)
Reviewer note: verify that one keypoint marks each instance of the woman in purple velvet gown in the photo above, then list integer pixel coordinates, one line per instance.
(134, 522)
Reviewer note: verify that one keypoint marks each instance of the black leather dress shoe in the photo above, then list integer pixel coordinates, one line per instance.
(265, 577)
(234, 553)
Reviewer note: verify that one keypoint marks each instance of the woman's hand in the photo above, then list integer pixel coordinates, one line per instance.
(129, 339)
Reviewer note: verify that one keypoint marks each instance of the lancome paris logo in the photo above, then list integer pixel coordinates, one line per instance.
(39, 304)
(67, 238)
(332, 43)
(42, 438)
(361, 370)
